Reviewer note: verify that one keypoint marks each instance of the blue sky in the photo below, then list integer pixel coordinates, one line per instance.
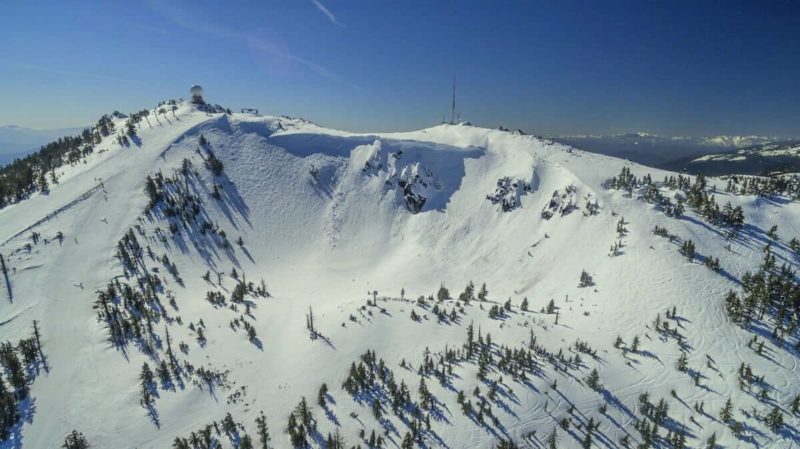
(671, 67)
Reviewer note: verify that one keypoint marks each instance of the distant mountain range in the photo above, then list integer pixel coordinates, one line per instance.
(661, 151)
(17, 141)
(778, 157)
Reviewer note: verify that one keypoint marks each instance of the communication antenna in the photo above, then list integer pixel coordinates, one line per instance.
(453, 110)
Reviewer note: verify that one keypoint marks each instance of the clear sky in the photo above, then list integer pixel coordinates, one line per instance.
(554, 67)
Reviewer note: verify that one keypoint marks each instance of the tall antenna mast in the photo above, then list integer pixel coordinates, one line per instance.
(453, 111)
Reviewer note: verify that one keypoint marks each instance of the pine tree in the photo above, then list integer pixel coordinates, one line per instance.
(774, 419)
(587, 440)
(146, 378)
(321, 397)
(263, 431)
(443, 293)
(9, 414)
(681, 364)
(524, 305)
(483, 293)
(687, 249)
(711, 443)
(75, 440)
(794, 244)
(408, 441)
(507, 444)
(773, 232)
(726, 414)
(552, 440)
(163, 373)
(310, 322)
(586, 279)
(228, 425)
(304, 413)
(246, 442)
(593, 380)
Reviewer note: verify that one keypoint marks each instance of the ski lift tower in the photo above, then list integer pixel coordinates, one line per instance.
(453, 107)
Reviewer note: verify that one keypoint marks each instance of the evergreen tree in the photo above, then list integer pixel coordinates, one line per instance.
(246, 442)
(408, 441)
(75, 440)
(773, 232)
(774, 419)
(726, 414)
(507, 444)
(14, 369)
(593, 380)
(322, 396)
(681, 364)
(263, 431)
(552, 440)
(483, 293)
(146, 378)
(586, 279)
(443, 293)
(9, 414)
(711, 443)
(687, 249)
(635, 344)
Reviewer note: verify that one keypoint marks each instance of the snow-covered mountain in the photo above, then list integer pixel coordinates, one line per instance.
(779, 157)
(213, 275)
(660, 151)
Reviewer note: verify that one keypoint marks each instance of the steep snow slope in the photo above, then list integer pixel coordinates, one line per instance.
(329, 220)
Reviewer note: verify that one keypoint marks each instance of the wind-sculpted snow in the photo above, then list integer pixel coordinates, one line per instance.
(248, 260)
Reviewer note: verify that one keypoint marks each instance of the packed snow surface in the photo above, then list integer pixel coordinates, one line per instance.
(332, 219)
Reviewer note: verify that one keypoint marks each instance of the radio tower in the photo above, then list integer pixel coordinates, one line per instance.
(453, 110)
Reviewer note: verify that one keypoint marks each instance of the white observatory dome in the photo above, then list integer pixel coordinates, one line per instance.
(197, 94)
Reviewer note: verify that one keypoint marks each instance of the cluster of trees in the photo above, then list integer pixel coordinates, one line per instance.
(466, 296)
(658, 416)
(628, 182)
(697, 194)
(35, 172)
(171, 195)
(773, 185)
(131, 313)
(705, 203)
(664, 232)
(210, 435)
(75, 440)
(771, 291)
(508, 193)
(370, 378)
(20, 362)
(301, 422)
